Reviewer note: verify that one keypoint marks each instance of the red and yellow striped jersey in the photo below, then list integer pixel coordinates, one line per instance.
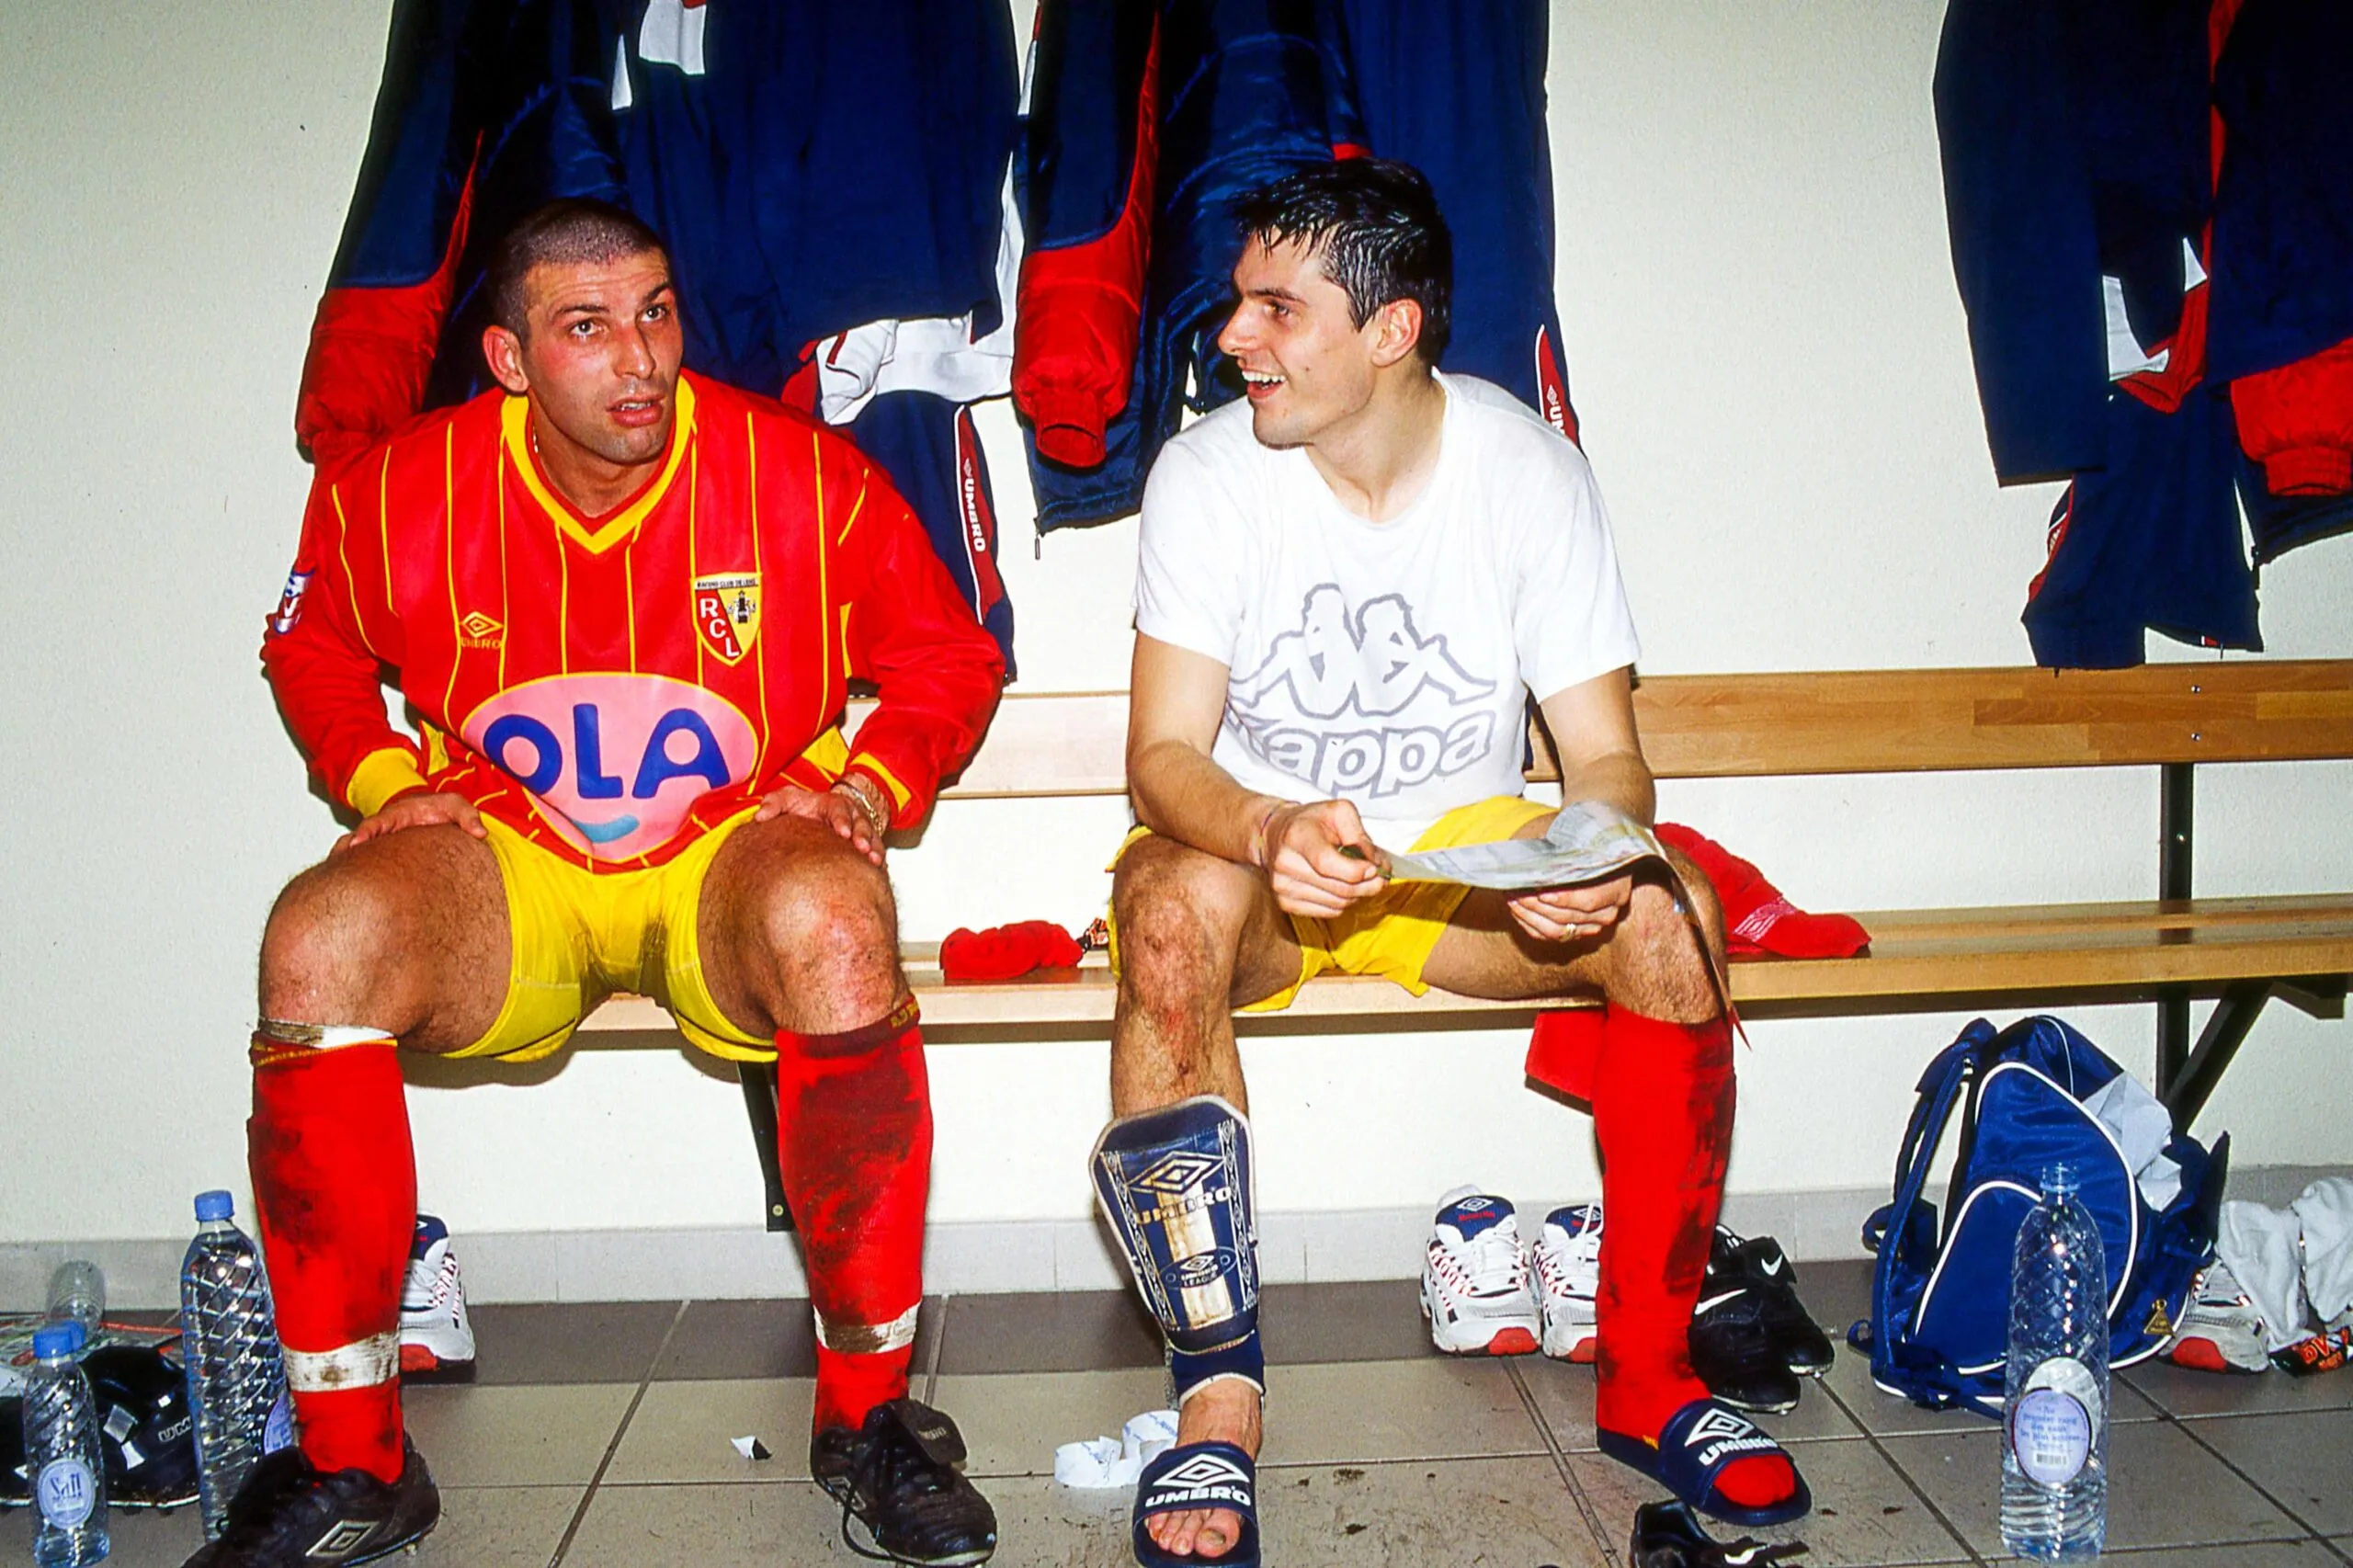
(612, 687)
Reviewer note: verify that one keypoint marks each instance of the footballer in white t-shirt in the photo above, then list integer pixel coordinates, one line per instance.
(1350, 584)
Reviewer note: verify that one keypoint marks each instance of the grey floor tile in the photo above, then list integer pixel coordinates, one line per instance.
(1078, 1331)
(498, 1527)
(683, 1432)
(1564, 1395)
(1013, 1422)
(2304, 1460)
(2263, 1554)
(1373, 1320)
(515, 1436)
(1367, 1410)
(143, 1540)
(1449, 1513)
(708, 1526)
(2185, 1391)
(570, 1342)
(1884, 1414)
(2164, 1489)
(773, 1339)
(1863, 1512)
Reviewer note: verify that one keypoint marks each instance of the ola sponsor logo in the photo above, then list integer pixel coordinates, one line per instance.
(617, 760)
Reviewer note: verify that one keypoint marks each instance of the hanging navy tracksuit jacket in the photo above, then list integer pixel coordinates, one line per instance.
(1148, 122)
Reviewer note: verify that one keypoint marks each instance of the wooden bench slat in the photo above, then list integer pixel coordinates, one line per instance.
(1060, 743)
(1915, 954)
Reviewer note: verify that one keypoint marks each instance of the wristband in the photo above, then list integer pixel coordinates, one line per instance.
(1257, 850)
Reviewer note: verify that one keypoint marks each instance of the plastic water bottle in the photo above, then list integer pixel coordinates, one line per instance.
(228, 1341)
(77, 1293)
(62, 1456)
(2055, 1438)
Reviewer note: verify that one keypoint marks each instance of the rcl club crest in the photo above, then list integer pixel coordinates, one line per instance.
(727, 612)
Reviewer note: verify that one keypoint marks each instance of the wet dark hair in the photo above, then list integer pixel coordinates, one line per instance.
(566, 233)
(1375, 227)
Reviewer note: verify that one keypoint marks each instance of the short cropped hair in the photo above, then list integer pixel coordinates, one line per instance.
(567, 232)
(1376, 228)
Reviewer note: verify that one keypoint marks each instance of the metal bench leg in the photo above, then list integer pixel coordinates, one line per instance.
(2176, 862)
(759, 1104)
(2185, 1093)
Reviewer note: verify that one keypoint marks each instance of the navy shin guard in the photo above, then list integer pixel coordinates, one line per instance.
(1176, 1184)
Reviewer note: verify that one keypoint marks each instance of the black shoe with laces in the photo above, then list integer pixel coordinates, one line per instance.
(901, 1474)
(1732, 1352)
(1799, 1338)
(289, 1514)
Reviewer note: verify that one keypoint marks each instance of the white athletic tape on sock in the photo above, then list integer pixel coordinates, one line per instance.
(365, 1363)
(868, 1339)
(321, 1037)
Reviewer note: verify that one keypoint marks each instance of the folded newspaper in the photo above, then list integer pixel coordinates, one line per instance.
(1588, 841)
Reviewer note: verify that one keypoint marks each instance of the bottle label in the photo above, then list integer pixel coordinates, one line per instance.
(2051, 1422)
(277, 1432)
(66, 1492)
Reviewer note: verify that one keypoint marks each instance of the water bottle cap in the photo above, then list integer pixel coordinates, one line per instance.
(2059, 1180)
(211, 1206)
(53, 1340)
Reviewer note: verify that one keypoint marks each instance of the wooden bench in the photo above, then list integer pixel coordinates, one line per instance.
(2168, 949)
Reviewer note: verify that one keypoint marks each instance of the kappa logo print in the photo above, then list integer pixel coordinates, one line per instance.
(1376, 663)
(1173, 1174)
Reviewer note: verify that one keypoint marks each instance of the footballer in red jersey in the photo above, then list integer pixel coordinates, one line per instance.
(623, 605)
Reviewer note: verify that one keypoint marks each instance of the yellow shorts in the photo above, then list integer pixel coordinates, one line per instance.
(579, 935)
(1392, 933)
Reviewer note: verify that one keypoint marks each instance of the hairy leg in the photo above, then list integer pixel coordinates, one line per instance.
(1199, 936)
(798, 931)
(405, 938)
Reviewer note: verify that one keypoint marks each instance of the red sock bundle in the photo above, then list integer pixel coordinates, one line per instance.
(1758, 919)
(1006, 952)
(854, 1145)
(334, 1187)
(1663, 1108)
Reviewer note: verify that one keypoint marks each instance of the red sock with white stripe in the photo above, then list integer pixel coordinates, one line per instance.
(334, 1190)
(854, 1146)
(1661, 1108)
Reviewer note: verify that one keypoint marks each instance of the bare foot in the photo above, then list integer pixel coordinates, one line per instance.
(1225, 1411)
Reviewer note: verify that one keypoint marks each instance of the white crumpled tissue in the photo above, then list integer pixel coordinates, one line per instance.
(1117, 1461)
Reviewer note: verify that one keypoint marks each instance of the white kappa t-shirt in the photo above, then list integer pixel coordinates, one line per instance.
(1384, 663)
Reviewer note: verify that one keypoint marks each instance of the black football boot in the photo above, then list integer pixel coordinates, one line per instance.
(1799, 1339)
(1733, 1350)
(901, 1474)
(288, 1514)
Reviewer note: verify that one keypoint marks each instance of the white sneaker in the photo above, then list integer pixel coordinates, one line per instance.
(1568, 1278)
(2221, 1329)
(437, 1340)
(1474, 1278)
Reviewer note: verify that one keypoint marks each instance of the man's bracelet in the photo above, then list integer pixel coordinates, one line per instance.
(1258, 835)
(876, 817)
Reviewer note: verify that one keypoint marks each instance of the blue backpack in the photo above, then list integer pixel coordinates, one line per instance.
(1940, 1295)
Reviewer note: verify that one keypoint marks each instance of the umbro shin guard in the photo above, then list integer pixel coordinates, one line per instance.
(1174, 1183)
(334, 1190)
(854, 1147)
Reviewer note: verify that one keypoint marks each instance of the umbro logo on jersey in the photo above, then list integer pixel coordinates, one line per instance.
(479, 630)
(1173, 1174)
(341, 1541)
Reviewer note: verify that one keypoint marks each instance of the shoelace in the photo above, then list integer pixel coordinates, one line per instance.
(890, 1467)
(1493, 1250)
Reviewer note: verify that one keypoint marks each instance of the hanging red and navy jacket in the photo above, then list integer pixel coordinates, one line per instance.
(1148, 122)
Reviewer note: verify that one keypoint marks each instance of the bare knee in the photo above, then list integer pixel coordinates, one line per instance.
(333, 938)
(1179, 914)
(831, 932)
(1657, 966)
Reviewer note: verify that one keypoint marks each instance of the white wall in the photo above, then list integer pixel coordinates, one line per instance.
(1766, 347)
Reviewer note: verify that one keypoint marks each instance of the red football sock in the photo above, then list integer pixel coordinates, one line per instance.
(334, 1190)
(1661, 1108)
(854, 1140)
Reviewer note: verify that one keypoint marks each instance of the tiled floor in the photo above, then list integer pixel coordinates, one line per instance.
(598, 1438)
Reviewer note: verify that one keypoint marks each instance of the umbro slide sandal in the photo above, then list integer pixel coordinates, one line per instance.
(1199, 1475)
(1697, 1442)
